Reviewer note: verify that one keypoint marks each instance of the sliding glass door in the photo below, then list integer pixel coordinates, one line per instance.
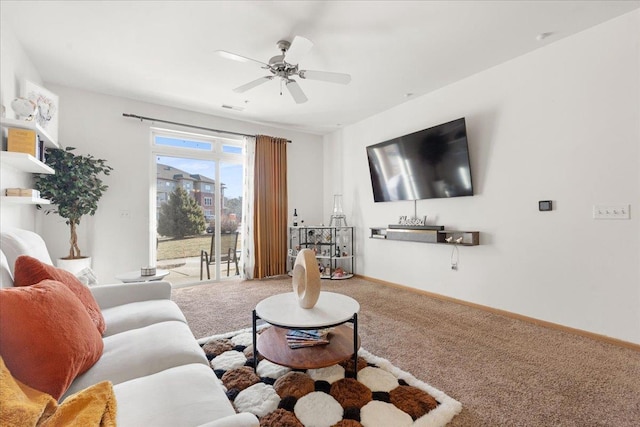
(197, 206)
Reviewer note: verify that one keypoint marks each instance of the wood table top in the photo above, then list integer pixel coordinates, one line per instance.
(272, 344)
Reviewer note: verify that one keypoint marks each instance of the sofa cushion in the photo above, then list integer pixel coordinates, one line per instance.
(140, 314)
(186, 395)
(29, 271)
(113, 295)
(47, 338)
(16, 242)
(143, 351)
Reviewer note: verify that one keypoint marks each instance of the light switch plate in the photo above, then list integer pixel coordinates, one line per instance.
(611, 211)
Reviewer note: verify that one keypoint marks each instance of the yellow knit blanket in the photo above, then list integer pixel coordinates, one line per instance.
(21, 405)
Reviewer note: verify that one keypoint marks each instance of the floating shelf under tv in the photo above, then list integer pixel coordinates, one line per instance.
(446, 237)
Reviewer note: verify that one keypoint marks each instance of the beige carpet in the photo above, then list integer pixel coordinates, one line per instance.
(504, 371)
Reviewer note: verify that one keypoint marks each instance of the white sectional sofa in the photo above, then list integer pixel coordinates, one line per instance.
(160, 374)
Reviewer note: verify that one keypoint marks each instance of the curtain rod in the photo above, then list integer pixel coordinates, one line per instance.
(151, 119)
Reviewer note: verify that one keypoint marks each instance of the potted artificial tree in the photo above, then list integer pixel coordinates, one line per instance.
(74, 190)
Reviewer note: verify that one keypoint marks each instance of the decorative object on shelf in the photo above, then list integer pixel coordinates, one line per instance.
(414, 220)
(47, 107)
(75, 188)
(147, 271)
(22, 192)
(295, 217)
(24, 141)
(450, 240)
(306, 279)
(24, 108)
(338, 215)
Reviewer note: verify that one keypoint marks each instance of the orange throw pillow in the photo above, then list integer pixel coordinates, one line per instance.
(29, 271)
(47, 338)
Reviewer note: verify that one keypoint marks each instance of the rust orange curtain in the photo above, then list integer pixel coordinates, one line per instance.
(270, 207)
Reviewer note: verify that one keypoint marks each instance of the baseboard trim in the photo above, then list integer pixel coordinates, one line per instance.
(538, 322)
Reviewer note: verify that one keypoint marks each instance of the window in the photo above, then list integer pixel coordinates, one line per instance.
(208, 201)
(234, 149)
(183, 143)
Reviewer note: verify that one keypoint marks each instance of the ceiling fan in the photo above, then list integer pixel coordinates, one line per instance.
(285, 66)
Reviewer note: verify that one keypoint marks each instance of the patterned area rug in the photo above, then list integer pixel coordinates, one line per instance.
(382, 396)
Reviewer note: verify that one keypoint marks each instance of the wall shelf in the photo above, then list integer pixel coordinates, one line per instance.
(446, 237)
(24, 162)
(30, 125)
(15, 200)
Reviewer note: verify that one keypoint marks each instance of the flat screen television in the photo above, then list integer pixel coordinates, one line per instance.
(428, 164)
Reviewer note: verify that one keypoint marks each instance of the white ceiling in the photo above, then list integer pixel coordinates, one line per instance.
(163, 51)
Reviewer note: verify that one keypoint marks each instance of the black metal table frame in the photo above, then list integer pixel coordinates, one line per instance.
(353, 319)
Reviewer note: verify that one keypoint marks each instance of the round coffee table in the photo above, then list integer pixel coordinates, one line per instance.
(283, 312)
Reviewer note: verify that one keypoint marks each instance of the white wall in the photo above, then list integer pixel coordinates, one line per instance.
(561, 123)
(14, 68)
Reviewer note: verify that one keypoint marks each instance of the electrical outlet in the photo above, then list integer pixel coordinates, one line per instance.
(125, 214)
(611, 211)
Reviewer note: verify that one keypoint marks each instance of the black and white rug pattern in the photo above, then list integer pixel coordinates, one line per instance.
(382, 396)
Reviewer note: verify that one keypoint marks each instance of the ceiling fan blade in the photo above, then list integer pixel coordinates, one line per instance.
(252, 84)
(239, 58)
(325, 76)
(296, 92)
(300, 46)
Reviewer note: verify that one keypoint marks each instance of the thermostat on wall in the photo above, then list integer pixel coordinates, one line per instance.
(545, 205)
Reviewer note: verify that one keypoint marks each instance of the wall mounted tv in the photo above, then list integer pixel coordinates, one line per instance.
(428, 164)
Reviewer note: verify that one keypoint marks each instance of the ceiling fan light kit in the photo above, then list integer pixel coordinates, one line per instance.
(285, 66)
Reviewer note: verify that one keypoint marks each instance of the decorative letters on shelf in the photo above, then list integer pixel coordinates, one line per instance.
(405, 220)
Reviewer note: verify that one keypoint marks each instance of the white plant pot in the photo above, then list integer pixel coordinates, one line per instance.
(74, 265)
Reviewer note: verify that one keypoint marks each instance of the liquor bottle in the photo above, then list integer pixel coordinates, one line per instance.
(295, 217)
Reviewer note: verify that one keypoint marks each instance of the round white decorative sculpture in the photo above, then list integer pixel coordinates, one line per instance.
(306, 278)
